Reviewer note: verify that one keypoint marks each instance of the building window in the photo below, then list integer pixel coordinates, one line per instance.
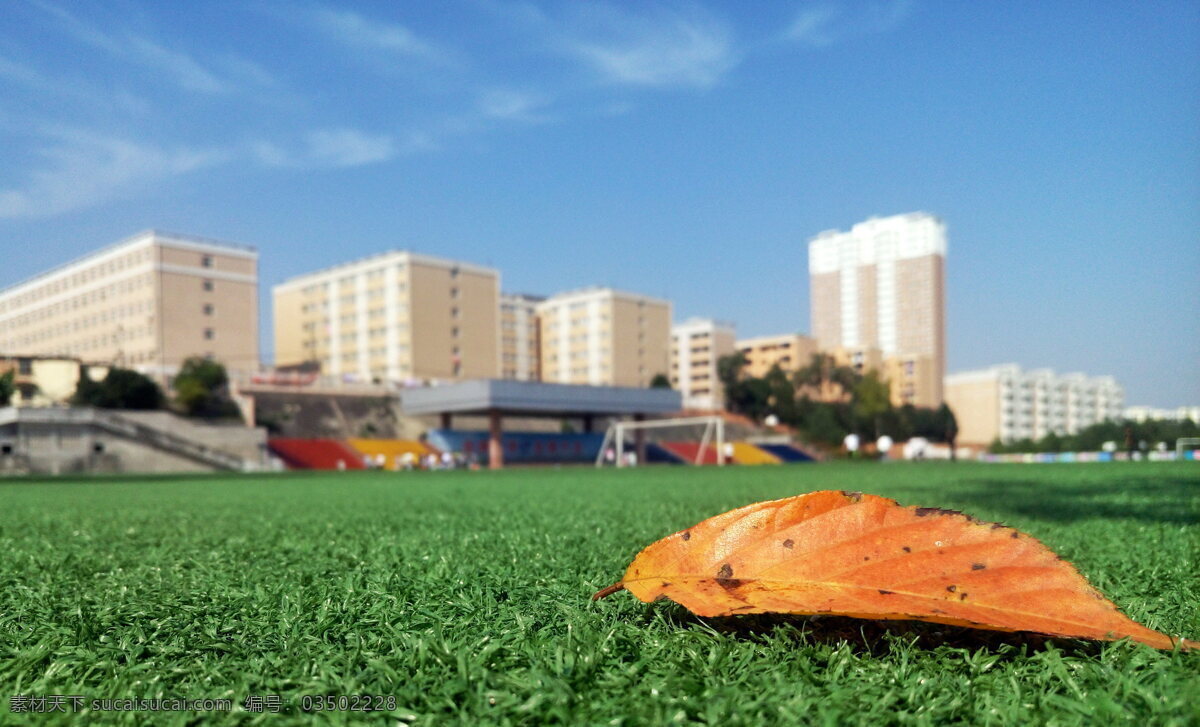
(208, 309)
(454, 332)
(206, 261)
(208, 286)
(208, 334)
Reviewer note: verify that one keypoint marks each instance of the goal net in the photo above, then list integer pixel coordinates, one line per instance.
(691, 440)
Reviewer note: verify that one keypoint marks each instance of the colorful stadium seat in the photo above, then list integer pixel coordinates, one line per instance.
(744, 453)
(688, 452)
(391, 449)
(786, 452)
(315, 454)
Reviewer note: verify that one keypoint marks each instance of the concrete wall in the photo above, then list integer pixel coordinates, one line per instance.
(249, 443)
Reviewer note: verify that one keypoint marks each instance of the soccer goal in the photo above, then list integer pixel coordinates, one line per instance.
(704, 440)
(1183, 444)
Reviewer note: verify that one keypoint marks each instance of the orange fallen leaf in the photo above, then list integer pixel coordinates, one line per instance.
(850, 554)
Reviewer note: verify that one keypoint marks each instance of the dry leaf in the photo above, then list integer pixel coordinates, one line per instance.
(850, 554)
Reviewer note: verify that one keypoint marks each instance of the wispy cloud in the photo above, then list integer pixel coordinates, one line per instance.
(662, 47)
(824, 24)
(371, 34)
(226, 75)
(519, 106)
(340, 148)
(82, 169)
(811, 26)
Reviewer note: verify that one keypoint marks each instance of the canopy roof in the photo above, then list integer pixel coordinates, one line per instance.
(535, 398)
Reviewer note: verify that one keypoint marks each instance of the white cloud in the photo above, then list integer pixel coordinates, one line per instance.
(188, 72)
(357, 31)
(509, 105)
(83, 169)
(666, 48)
(822, 24)
(811, 26)
(185, 69)
(340, 148)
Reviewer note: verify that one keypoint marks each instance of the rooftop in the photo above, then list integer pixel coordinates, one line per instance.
(535, 398)
(139, 238)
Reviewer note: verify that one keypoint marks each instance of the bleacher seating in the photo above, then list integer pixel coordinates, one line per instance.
(315, 454)
(656, 454)
(745, 453)
(688, 452)
(786, 452)
(522, 447)
(391, 449)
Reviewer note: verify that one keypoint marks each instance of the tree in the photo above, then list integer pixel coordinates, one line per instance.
(825, 378)
(871, 398)
(202, 389)
(729, 370)
(949, 427)
(120, 389)
(6, 388)
(781, 395)
(660, 381)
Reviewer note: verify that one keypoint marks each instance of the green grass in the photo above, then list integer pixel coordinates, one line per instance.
(466, 596)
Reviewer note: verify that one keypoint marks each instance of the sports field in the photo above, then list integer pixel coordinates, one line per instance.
(465, 595)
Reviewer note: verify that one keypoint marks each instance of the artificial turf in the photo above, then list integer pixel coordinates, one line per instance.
(465, 595)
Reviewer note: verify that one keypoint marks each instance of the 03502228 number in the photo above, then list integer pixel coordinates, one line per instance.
(347, 703)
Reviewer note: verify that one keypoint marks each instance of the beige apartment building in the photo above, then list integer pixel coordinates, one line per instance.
(147, 303)
(393, 317)
(520, 349)
(911, 378)
(789, 351)
(696, 345)
(604, 337)
(1003, 402)
(882, 285)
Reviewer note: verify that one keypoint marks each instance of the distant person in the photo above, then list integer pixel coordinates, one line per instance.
(447, 460)
(1130, 444)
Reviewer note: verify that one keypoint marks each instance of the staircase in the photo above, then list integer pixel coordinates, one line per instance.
(120, 426)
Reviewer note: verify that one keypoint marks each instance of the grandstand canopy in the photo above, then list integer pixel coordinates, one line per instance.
(498, 398)
(534, 398)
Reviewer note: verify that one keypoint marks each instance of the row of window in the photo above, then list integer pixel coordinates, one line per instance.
(82, 277)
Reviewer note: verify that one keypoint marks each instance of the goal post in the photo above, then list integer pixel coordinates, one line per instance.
(713, 434)
(1183, 443)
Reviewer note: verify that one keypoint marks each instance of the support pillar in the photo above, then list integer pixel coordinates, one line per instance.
(447, 420)
(589, 423)
(495, 449)
(639, 440)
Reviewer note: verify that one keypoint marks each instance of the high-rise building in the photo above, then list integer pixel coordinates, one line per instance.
(396, 316)
(789, 351)
(696, 344)
(604, 337)
(1003, 402)
(882, 285)
(147, 303)
(520, 350)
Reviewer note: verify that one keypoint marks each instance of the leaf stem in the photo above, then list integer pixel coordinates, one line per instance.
(606, 592)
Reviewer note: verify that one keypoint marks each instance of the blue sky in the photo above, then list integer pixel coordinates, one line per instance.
(686, 150)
